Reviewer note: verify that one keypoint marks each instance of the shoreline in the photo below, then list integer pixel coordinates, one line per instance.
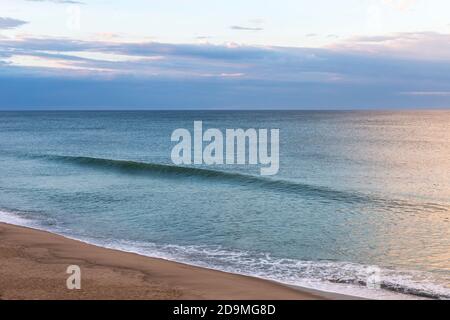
(34, 263)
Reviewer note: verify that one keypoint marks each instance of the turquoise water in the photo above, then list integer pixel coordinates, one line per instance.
(354, 190)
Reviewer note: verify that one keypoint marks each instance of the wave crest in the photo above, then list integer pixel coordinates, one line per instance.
(305, 190)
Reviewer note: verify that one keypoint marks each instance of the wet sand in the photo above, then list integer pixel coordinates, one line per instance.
(33, 265)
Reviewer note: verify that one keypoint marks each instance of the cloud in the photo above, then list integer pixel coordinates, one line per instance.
(159, 93)
(227, 52)
(147, 73)
(333, 64)
(246, 28)
(10, 23)
(239, 74)
(203, 37)
(428, 93)
(412, 45)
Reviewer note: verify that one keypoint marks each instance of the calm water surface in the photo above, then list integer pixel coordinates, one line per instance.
(355, 190)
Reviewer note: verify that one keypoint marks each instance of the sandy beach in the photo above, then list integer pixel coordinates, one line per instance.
(33, 265)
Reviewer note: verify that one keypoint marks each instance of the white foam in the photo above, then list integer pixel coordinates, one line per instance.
(315, 275)
(334, 277)
(14, 218)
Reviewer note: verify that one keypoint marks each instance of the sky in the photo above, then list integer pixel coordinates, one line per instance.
(211, 54)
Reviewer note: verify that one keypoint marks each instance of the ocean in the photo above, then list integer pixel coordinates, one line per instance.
(358, 195)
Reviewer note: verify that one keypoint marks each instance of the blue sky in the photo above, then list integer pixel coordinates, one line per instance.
(176, 54)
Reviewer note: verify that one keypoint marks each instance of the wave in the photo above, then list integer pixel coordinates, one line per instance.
(328, 276)
(173, 171)
(14, 218)
(246, 180)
